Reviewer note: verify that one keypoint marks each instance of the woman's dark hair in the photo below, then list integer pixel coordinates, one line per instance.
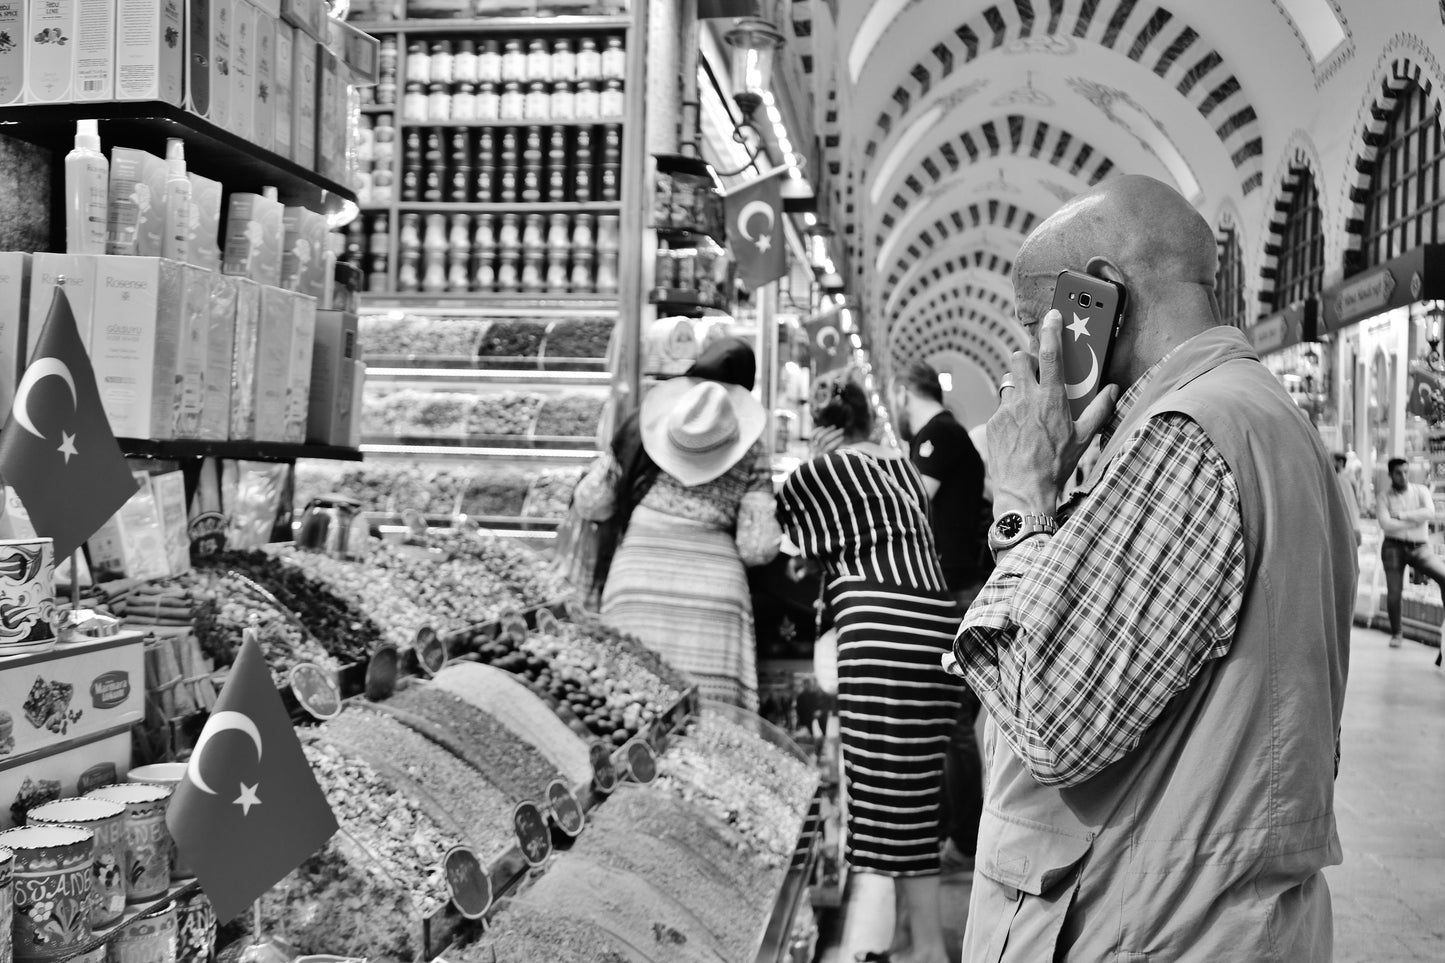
(846, 407)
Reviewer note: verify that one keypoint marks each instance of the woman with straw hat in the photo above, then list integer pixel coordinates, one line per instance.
(692, 468)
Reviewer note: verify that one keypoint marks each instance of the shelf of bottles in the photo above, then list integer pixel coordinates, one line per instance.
(491, 200)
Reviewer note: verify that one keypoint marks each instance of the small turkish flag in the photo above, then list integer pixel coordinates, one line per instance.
(249, 810)
(828, 347)
(57, 450)
(755, 231)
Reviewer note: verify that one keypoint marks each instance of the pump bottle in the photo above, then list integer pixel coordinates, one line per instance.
(87, 186)
(175, 239)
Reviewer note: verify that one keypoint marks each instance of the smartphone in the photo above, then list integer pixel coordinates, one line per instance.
(1092, 309)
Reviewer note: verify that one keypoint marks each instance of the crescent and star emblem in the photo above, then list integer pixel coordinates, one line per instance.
(44, 368)
(751, 209)
(1080, 326)
(828, 344)
(220, 722)
(1090, 380)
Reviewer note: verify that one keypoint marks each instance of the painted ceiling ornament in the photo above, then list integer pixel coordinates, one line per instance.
(966, 91)
(1002, 185)
(1027, 94)
(1058, 45)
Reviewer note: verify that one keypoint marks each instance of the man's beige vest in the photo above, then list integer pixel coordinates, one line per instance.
(1205, 843)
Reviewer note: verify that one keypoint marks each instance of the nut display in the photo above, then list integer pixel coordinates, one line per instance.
(550, 493)
(570, 415)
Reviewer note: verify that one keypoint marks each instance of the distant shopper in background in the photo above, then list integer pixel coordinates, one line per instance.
(860, 513)
(1352, 498)
(953, 474)
(694, 466)
(1405, 511)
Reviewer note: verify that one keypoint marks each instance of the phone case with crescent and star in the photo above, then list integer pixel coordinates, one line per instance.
(1092, 308)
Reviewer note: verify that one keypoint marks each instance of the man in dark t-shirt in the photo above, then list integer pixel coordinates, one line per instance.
(953, 473)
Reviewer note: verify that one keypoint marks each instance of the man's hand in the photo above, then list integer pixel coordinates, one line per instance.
(824, 440)
(1034, 444)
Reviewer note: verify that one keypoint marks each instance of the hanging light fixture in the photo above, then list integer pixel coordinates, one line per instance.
(753, 43)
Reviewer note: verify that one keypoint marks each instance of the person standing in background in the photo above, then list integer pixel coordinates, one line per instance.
(953, 474)
(1405, 511)
(1352, 498)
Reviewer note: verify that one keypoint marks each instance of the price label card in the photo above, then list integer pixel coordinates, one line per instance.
(547, 622)
(532, 833)
(316, 690)
(604, 773)
(468, 882)
(431, 651)
(641, 761)
(381, 673)
(566, 811)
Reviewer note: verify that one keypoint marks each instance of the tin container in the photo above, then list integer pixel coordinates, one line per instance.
(27, 584)
(52, 888)
(148, 842)
(195, 930)
(149, 939)
(167, 774)
(7, 903)
(106, 822)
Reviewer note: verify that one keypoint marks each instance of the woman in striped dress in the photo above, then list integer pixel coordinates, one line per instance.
(861, 514)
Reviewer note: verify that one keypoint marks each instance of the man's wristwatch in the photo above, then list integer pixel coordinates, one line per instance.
(1010, 528)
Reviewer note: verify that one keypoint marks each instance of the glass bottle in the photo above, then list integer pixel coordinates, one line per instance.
(589, 60)
(513, 103)
(557, 275)
(587, 103)
(564, 61)
(539, 61)
(613, 60)
(464, 62)
(434, 276)
(509, 235)
(537, 105)
(582, 280)
(484, 254)
(564, 100)
(409, 238)
(489, 101)
(408, 271)
(606, 272)
(418, 63)
(441, 62)
(533, 235)
(582, 237)
(532, 279)
(414, 101)
(507, 270)
(438, 102)
(559, 237)
(464, 102)
(610, 102)
(514, 62)
(411, 161)
(379, 250)
(489, 63)
(607, 233)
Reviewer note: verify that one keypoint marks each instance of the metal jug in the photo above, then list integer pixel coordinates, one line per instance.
(333, 525)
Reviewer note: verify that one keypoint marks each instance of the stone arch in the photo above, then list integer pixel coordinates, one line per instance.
(1406, 60)
(1300, 158)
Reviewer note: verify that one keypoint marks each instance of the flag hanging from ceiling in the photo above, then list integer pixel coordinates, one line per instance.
(57, 450)
(712, 9)
(248, 810)
(755, 230)
(828, 346)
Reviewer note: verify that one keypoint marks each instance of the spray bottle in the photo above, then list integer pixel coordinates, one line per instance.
(87, 186)
(175, 237)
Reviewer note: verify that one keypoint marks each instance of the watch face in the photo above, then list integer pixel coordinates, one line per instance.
(1009, 525)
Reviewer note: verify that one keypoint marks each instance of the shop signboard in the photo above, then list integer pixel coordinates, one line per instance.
(1282, 329)
(1413, 276)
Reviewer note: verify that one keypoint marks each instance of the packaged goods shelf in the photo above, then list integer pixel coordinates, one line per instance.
(497, 26)
(539, 207)
(502, 122)
(250, 450)
(210, 150)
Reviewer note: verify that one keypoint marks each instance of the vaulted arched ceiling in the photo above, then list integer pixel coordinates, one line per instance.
(951, 128)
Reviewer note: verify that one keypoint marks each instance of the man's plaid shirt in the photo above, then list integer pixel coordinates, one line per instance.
(1078, 641)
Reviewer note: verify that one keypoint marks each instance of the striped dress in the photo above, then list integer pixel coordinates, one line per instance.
(865, 520)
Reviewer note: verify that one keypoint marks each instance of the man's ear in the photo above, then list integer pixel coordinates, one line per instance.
(1100, 266)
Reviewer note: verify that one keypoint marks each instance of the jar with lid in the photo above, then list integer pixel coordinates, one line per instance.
(606, 272)
(588, 101)
(564, 61)
(489, 62)
(484, 272)
(612, 144)
(484, 238)
(464, 102)
(607, 233)
(538, 104)
(409, 237)
(539, 61)
(533, 237)
(609, 183)
(582, 238)
(383, 186)
(438, 102)
(507, 270)
(531, 187)
(507, 153)
(489, 101)
(464, 62)
(507, 185)
(486, 147)
(559, 236)
(435, 236)
(557, 272)
(556, 183)
(433, 187)
(386, 58)
(564, 100)
(613, 60)
(513, 102)
(414, 103)
(532, 145)
(611, 102)
(441, 62)
(383, 141)
(408, 270)
(589, 60)
(434, 276)
(531, 279)
(510, 234)
(457, 279)
(514, 62)
(411, 165)
(418, 62)
(582, 270)
(434, 150)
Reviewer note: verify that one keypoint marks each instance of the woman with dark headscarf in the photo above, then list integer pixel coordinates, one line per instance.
(691, 469)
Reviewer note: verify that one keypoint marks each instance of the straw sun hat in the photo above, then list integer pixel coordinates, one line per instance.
(696, 429)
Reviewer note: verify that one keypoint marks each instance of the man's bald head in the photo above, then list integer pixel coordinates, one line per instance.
(1140, 232)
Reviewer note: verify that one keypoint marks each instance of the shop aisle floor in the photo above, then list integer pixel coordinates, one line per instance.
(1389, 901)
